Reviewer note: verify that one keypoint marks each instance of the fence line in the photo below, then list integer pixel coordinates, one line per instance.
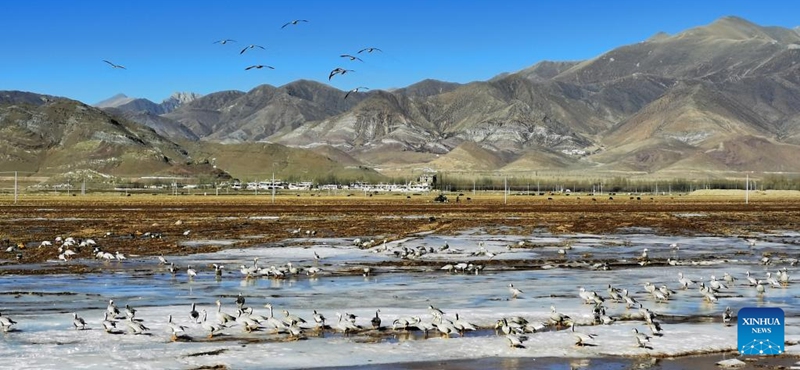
(21, 182)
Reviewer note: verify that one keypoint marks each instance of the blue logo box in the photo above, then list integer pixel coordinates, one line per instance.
(761, 331)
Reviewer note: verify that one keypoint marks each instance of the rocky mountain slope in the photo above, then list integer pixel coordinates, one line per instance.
(124, 103)
(50, 135)
(678, 94)
(712, 100)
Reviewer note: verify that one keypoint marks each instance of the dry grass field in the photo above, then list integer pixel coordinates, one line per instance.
(122, 223)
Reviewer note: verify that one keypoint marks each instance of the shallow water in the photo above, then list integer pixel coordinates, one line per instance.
(43, 305)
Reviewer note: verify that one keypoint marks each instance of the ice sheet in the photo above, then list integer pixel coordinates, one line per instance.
(45, 338)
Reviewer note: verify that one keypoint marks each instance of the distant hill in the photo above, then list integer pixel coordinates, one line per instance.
(709, 101)
(263, 111)
(51, 136)
(162, 125)
(426, 88)
(139, 105)
(114, 101)
(257, 161)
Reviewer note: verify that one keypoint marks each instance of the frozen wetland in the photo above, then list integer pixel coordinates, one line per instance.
(401, 283)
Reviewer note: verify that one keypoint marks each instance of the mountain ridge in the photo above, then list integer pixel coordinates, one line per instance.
(141, 105)
(660, 105)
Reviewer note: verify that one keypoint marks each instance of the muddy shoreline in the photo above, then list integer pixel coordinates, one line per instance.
(705, 362)
(151, 226)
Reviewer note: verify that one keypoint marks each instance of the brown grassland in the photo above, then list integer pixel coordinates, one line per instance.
(120, 223)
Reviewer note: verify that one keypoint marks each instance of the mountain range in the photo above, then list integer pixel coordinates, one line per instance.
(706, 102)
(124, 103)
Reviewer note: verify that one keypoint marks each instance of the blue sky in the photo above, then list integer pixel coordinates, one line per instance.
(57, 47)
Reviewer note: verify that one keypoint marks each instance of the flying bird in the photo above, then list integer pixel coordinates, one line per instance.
(258, 66)
(339, 71)
(351, 57)
(251, 47)
(355, 90)
(294, 22)
(115, 65)
(369, 50)
(225, 41)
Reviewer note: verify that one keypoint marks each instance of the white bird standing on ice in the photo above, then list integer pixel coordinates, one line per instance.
(715, 285)
(685, 282)
(515, 341)
(514, 291)
(135, 326)
(194, 314)
(191, 272)
(783, 276)
(581, 339)
(772, 281)
(177, 330)
(112, 309)
(557, 317)
(222, 317)
(642, 339)
(759, 288)
(729, 279)
(6, 322)
(211, 328)
(751, 280)
(108, 324)
(78, 322)
(726, 316)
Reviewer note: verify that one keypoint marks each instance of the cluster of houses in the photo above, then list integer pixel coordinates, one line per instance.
(423, 184)
(410, 187)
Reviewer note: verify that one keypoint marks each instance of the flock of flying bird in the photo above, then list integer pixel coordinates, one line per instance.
(334, 72)
(515, 329)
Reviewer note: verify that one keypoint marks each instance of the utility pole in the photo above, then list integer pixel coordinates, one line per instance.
(505, 190)
(273, 188)
(15, 187)
(747, 189)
